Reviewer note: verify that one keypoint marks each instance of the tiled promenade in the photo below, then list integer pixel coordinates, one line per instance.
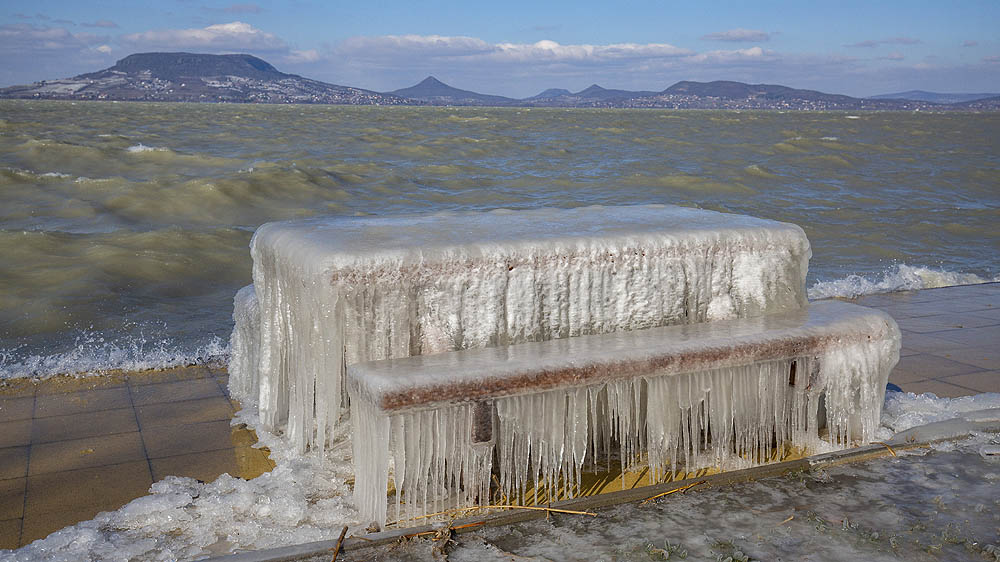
(951, 338)
(71, 448)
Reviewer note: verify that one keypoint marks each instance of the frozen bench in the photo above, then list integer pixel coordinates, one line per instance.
(721, 393)
(336, 291)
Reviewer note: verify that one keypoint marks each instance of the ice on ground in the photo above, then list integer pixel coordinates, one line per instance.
(307, 498)
(905, 410)
(941, 506)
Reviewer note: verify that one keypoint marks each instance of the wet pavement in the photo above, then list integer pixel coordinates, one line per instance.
(73, 447)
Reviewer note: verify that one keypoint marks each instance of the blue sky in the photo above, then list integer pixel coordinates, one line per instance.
(518, 48)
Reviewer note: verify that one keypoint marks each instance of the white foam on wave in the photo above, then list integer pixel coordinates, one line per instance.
(92, 353)
(136, 148)
(900, 278)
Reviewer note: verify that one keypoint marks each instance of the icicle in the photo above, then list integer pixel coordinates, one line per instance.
(371, 461)
(244, 375)
(436, 465)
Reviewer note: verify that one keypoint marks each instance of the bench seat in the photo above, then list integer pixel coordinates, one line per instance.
(721, 393)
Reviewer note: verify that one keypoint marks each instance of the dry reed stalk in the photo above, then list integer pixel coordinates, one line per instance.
(674, 491)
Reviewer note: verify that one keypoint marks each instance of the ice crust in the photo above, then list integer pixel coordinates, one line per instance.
(338, 291)
(710, 395)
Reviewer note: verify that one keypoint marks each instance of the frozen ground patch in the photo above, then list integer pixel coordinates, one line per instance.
(941, 506)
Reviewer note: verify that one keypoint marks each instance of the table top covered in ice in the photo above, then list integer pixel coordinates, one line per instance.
(346, 242)
(470, 375)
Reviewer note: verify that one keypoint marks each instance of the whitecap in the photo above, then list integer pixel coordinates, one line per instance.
(93, 354)
(136, 148)
(900, 278)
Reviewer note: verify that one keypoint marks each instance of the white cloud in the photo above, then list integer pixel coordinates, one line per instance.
(243, 9)
(737, 55)
(739, 35)
(550, 51)
(33, 53)
(107, 24)
(309, 55)
(896, 55)
(970, 43)
(29, 38)
(104, 49)
(870, 43)
(458, 48)
(411, 46)
(234, 36)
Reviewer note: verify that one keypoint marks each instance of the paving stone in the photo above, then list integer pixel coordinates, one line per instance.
(87, 424)
(941, 389)
(64, 404)
(187, 411)
(175, 391)
(85, 453)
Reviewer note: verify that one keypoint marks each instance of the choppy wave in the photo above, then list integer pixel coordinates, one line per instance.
(900, 278)
(143, 148)
(142, 213)
(93, 354)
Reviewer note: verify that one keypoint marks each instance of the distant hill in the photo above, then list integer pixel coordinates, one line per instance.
(596, 92)
(738, 90)
(933, 97)
(192, 77)
(592, 96)
(434, 91)
(198, 78)
(984, 104)
(550, 93)
(181, 66)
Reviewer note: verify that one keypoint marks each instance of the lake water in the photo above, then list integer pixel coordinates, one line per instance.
(124, 227)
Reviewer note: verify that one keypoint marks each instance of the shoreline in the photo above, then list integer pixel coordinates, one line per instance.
(221, 360)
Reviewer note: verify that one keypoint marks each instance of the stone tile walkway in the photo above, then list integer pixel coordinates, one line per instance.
(951, 338)
(71, 448)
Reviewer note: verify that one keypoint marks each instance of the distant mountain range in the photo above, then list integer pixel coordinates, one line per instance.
(933, 97)
(247, 79)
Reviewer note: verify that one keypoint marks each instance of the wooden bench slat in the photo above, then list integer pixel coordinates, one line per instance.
(429, 381)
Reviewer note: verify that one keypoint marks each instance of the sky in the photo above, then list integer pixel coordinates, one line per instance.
(519, 48)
